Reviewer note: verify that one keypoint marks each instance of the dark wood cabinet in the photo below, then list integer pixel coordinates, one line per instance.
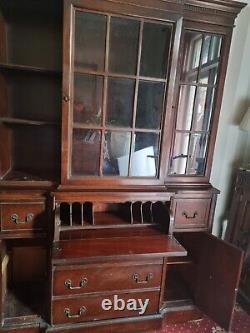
(238, 231)
(108, 120)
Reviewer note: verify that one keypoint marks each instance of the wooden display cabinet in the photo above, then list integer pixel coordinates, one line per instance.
(131, 92)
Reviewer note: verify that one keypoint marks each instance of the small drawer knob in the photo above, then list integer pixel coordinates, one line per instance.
(66, 98)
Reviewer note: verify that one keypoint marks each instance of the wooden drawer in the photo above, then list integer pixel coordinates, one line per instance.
(80, 309)
(94, 278)
(22, 216)
(192, 213)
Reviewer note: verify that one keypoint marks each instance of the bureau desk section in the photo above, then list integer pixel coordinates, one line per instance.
(88, 271)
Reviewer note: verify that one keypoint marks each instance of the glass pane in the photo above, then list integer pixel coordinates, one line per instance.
(185, 108)
(180, 154)
(215, 48)
(203, 109)
(150, 105)
(90, 39)
(145, 156)
(120, 102)
(88, 93)
(210, 59)
(189, 156)
(197, 154)
(86, 146)
(124, 38)
(116, 153)
(155, 50)
(192, 54)
(205, 50)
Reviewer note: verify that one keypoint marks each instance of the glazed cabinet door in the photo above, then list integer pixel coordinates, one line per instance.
(199, 86)
(115, 93)
(217, 272)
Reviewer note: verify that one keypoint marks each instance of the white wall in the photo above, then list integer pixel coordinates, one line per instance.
(233, 145)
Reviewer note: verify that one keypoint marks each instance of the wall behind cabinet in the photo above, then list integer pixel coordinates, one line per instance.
(233, 145)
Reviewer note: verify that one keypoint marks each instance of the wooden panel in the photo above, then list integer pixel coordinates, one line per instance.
(192, 213)
(123, 247)
(21, 330)
(92, 307)
(106, 278)
(138, 324)
(19, 216)
(218, 279)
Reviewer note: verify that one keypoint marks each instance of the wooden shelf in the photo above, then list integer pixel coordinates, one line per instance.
(19, 121)
(17, 176)
(31, 69)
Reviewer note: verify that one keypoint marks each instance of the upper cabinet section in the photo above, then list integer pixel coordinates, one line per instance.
(116, 94)
(142, 86)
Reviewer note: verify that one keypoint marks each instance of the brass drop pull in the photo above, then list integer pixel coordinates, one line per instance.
(83, 282)
(81, 311)
(137, 279)
(15, 218)
(190, 217)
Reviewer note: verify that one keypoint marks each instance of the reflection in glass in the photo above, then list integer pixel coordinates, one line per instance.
(203, 109)
(189, 155)
(120, 102)
(145, 155)
(88, 92)
(180, 154)
(210, 59)
(155, 50)
(186, 106)
(192, 54)
(150, 105)
(116, 153)
(86, 146)
(124, 38)
(90, 39)
(197, 154)
(205, 50)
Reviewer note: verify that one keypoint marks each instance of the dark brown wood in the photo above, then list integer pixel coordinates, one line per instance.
(119, 247)
(216, 283)
(109, 278)
(138, 324)
(238, 230)
(94, 309)
(78, 239)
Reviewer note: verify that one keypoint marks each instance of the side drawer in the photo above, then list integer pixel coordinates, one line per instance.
(192, 213)
(97, 278)
(91, 307)
(22, 216)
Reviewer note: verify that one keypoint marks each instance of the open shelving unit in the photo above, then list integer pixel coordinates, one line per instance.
(30, 90)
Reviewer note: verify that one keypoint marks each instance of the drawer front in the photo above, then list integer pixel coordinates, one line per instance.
(192, 213)
(107, 278)
(80, 309)
(23, 216)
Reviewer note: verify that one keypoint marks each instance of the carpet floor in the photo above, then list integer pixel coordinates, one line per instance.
(241, 324)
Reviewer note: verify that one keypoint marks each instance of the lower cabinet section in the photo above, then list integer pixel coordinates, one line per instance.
(107, 306)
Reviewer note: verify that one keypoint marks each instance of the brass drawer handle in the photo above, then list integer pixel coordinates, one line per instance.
(15, 218)
(81, 311)
(190, 217)
(83, 282)
(137, 279)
